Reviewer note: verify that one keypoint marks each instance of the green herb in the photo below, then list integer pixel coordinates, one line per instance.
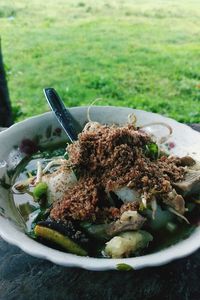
(151, 150)
(40, 190)
(124, 267)
(66, 156)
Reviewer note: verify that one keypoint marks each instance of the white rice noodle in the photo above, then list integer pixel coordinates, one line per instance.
(127, 195)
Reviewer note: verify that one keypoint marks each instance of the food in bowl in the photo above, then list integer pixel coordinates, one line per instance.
(113, 193)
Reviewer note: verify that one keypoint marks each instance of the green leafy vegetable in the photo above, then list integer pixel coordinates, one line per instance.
(41, 216)
(97, 231)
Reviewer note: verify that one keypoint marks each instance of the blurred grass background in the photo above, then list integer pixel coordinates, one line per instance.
(143, 54)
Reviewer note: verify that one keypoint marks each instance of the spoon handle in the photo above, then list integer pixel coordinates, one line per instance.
(67, 121)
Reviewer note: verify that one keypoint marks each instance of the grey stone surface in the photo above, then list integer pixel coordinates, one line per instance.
(23, 277)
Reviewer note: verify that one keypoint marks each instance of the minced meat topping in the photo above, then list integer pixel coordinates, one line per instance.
(108, 158)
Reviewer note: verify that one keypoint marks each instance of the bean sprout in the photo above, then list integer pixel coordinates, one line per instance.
(179, 215)
(162, 139)
(154, 207)
(52, 163)
(39, 172)
(89, 107)
(132, 119)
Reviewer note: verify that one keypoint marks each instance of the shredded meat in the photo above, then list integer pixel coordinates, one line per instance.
(79, 203)
(111, 157)
(114, 213)
(96, 150)
(129, 206)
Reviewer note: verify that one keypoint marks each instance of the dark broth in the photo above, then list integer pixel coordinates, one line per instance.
(28, 209)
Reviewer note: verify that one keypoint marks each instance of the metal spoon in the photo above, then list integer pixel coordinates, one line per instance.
(64, 117)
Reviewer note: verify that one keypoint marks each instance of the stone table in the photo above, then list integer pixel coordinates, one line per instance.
(23, 277)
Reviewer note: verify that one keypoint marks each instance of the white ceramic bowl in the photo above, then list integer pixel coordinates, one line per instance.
(184, 141)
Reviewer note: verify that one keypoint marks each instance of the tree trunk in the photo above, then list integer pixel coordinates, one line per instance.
(5, 106)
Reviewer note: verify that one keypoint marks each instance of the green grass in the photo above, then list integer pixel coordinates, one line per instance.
(143, 54)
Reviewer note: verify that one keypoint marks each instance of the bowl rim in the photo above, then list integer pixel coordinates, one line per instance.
(15, 237)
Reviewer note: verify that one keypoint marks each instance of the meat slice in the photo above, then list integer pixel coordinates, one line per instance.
(175, 200)
(187, 161)
(129, 220)
(190, 185)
